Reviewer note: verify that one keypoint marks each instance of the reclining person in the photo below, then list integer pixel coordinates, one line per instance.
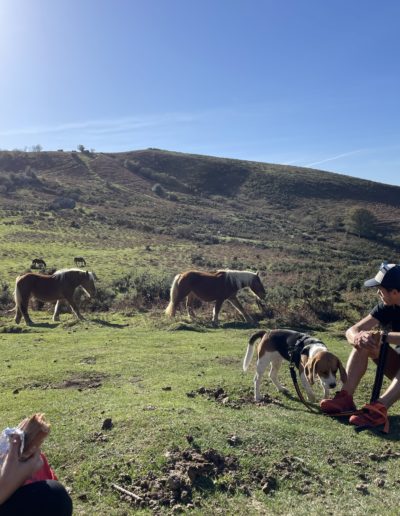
(385, 314)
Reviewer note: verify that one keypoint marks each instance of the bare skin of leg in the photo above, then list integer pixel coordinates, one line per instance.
(356, 367)
(392, 393)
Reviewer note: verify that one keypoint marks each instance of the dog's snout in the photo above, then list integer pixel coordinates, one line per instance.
(332, 385)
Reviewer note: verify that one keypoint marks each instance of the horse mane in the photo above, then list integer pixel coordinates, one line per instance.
(60, 274)
(238, 278)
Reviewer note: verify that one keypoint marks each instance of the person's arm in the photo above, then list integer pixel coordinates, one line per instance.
(358, 334)
(13, 472)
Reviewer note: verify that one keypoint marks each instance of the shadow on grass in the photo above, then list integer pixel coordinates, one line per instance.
(394, 430)
(301, 406)
(184, 326)
(109, 324)
(238, 325)
(14, 329)
(44, 325)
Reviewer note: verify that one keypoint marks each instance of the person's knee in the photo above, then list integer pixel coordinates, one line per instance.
(56, 500)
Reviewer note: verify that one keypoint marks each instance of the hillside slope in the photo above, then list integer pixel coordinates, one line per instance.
(158, 212)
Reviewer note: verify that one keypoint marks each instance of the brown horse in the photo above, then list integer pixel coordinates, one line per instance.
(56, 287)
(213, 286)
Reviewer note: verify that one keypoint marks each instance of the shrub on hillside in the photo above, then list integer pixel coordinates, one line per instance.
(62, 203)
(142, 290)
(158, 190)
(6, 297)
(103, 300)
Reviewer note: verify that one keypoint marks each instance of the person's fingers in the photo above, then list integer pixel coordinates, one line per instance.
(15, 444)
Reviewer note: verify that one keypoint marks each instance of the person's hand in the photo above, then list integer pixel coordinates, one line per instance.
(13, 472)
(365, 340)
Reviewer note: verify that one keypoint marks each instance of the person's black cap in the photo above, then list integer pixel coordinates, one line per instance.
(388, 277)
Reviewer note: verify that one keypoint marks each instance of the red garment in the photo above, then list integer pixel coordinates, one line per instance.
(44, 473)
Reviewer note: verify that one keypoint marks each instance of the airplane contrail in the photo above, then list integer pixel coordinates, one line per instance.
(334, 157)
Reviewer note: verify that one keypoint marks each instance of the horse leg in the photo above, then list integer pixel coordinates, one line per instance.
(18, 315)
(57, 309)
(189, 306)
(75, 308)
(216, 310)
(21, 304)
(236, 304)
(24, 311)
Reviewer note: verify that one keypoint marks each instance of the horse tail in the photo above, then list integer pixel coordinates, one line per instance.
(17, 295)
(171, 308)
(250, 348)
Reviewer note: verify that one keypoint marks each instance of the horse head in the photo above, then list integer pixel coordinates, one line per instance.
(257, 287)
(87, 283)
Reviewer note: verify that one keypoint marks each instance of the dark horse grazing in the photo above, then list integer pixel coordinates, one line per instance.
(213, 286)
(38, 263)
(59, 286)
(80, 261)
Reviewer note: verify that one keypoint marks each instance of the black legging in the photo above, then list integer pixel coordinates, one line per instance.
(44, 498)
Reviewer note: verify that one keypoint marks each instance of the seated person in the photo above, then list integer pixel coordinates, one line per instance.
(30, 487)
(387, 315)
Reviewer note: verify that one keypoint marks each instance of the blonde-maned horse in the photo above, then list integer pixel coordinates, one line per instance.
(213, 286)
(56, 287)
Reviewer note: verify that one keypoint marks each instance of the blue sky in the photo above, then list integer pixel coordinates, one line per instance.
(310, 83)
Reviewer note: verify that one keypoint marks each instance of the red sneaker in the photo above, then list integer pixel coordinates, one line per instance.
(370, 416)
(342, 402)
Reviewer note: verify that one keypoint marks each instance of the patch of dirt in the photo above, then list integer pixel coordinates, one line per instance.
(88, 360)
(235, 401)
(81, 382)
(98, 437)
(77, 381)
(292, 469)
(386, 455)
(228, 360)
(186, 475)
(190, 473)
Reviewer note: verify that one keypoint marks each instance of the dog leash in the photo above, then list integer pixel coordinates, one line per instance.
(294, 356)
(380, 368)
(293, 374)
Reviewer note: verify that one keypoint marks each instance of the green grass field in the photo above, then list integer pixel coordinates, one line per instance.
(159, 387)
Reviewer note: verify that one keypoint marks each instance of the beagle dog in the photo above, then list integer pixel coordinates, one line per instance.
(309, 354)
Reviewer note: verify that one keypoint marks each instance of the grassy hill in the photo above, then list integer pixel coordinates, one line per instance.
(183, 432)
(140, 217)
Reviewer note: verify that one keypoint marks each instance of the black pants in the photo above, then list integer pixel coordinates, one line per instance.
(45, 498)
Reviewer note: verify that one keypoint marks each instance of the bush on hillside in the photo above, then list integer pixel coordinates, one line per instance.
(362, 222)
(6, 297)
(158, 190)
(62, 203)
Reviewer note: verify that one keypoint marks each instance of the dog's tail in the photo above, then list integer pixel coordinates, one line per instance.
(250, 348)
(171, 308)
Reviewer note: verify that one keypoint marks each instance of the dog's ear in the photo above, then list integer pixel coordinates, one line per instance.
(309, 370)
(342, 371)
